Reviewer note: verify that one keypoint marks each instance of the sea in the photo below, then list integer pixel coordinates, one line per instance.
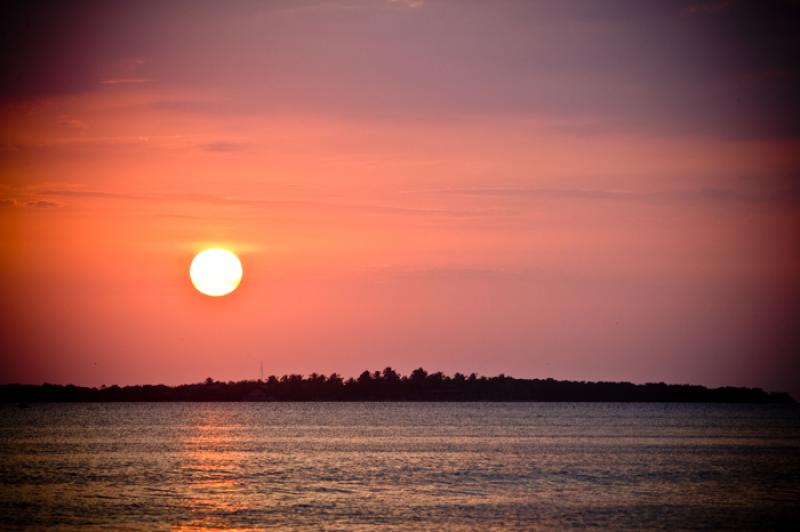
(399, 466)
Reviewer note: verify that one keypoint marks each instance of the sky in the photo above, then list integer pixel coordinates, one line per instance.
(566, 189)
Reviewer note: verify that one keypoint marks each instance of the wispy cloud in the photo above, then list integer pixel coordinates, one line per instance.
(410, 4)
(193, 106)
(72, 123)
(702, 194)
(41, 204)
(450, 273)
(223, 147)
(255, 203)
(706, 7)
(32, 204)
(124, 81)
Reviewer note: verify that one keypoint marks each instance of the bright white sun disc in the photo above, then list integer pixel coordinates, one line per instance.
(216, 272)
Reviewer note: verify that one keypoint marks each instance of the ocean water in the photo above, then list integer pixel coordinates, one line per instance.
(400, 466)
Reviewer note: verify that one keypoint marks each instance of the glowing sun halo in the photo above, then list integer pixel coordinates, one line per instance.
(215, 272)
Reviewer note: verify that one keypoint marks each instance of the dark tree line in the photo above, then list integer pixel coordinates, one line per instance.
(388, 385)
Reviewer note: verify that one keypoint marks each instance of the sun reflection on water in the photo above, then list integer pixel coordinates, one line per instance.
(214, 490)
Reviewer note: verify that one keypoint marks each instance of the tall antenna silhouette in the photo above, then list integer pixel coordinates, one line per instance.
(262, 371)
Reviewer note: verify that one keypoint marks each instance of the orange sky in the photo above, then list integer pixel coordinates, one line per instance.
(496, 188)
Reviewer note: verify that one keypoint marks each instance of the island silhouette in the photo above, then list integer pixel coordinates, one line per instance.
(388, 385)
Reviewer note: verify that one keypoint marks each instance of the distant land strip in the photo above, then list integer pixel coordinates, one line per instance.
(388, 385)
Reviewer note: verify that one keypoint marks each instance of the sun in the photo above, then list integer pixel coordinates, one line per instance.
(215, 272)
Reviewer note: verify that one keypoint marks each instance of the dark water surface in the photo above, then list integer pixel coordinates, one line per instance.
(413, 466)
